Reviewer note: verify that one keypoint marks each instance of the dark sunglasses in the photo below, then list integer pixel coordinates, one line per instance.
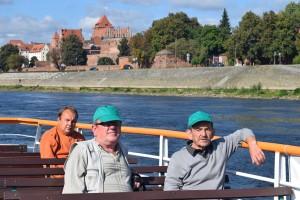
(110, 123)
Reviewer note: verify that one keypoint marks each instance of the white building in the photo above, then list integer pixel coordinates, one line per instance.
(38, 50)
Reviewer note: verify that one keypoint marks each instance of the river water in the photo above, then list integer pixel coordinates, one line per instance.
(271, 120)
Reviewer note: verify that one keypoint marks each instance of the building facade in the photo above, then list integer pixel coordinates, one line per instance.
(39, 50)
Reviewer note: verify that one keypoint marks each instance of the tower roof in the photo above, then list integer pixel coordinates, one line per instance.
(103, 22)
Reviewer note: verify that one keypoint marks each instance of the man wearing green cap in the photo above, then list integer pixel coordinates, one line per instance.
(200, 165)
(100, 164)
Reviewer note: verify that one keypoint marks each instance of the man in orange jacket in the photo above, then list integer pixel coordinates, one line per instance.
(56, 142)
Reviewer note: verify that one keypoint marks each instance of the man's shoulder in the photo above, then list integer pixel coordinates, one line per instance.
(180, 153)
(85, 145)
(51, 133)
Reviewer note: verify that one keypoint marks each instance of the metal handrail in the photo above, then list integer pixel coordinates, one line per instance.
(266, 146)
(280, 150)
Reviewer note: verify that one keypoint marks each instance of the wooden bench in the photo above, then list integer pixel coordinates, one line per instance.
(19, 154)
(13, 148)
(154, 195)
(22, 161)
(19, 178)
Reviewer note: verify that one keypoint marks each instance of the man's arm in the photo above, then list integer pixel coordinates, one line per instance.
(75, 167)
(172, 180)
(256, 154)
(47, 146)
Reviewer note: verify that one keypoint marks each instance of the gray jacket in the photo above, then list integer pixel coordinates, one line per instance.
(206, 170)
(84, 168)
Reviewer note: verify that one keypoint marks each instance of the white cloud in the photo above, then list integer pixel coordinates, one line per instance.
(199, 4)
(135, 19)
(88, 22)
(27, 29)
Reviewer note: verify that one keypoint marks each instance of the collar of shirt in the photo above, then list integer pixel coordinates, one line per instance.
(194, 152)
(115, 153)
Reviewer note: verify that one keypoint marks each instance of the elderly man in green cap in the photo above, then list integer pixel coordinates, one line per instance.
(200, 165)
(100, 164)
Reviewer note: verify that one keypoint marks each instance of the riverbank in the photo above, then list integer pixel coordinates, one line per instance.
(278, 81)
(255, 92)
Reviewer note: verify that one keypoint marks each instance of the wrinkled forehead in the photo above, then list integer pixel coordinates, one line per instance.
(203, 124)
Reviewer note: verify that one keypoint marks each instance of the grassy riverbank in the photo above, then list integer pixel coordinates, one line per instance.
(255, 91)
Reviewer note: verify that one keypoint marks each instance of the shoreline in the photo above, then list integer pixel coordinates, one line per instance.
(256, 92)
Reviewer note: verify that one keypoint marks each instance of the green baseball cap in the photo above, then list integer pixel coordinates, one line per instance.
(199, 116)
(106, 114)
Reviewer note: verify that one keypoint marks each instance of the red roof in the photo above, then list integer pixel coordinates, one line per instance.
(67, 32)
(37, 48)
(103, 23)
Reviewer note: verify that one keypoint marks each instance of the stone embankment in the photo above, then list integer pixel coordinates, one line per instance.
(270, 77)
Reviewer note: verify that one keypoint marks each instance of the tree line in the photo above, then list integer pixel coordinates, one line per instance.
(272, 38)
(267, 39)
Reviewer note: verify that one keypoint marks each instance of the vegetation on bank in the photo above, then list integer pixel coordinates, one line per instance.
(255, 91)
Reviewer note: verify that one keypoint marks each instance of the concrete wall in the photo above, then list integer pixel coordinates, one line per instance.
(271, 77)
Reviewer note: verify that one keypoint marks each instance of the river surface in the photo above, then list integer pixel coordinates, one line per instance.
(271, 120)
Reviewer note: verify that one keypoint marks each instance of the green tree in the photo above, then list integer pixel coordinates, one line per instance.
(5, 52)
(124, 49)
(224, 26)
(168, 29)
(245, 39)
(15, 62)
(181, 47)
(105, 61)
(210, 39)
(72, 52)
(287, 32)
(268, 37)
(32, 61)
(296, 60)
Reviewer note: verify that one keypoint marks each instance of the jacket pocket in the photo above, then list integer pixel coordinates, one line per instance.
(91, 180)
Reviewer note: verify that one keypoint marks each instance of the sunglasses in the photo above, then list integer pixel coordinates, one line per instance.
(110, 123)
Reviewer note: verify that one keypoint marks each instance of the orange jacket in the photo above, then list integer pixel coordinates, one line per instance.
(54, 144)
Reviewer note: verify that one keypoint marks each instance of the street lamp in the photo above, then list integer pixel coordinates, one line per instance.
(188, 57)
(279, 54)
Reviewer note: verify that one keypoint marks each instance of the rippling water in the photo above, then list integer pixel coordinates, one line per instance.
(271, 120)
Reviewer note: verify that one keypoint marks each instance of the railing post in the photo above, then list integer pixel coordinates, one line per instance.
(279, 171)
(37, 137)
(163, 150)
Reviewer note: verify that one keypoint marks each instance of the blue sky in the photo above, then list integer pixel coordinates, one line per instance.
(37, 20)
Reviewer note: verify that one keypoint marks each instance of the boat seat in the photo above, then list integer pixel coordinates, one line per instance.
(27, 194)
(32, 161)
(13, 147)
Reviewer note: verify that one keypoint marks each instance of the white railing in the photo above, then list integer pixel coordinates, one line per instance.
(280, 162)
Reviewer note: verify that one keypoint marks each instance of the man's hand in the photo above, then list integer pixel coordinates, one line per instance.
(256, 154)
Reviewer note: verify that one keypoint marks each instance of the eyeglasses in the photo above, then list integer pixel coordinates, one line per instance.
(111, 123)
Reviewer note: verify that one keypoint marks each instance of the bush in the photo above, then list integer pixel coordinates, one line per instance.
(296, 91)
(296, 60)
(105, 61)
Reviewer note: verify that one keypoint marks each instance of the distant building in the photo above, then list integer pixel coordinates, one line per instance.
(57, 38)
(104, 30)
(106, 38)
(166, 59)
(39, 50)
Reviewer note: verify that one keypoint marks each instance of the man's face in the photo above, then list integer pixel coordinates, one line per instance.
(201, 133)
(67, 122)
(107, 133)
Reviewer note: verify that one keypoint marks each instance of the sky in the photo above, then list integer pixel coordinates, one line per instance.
(37, 20)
